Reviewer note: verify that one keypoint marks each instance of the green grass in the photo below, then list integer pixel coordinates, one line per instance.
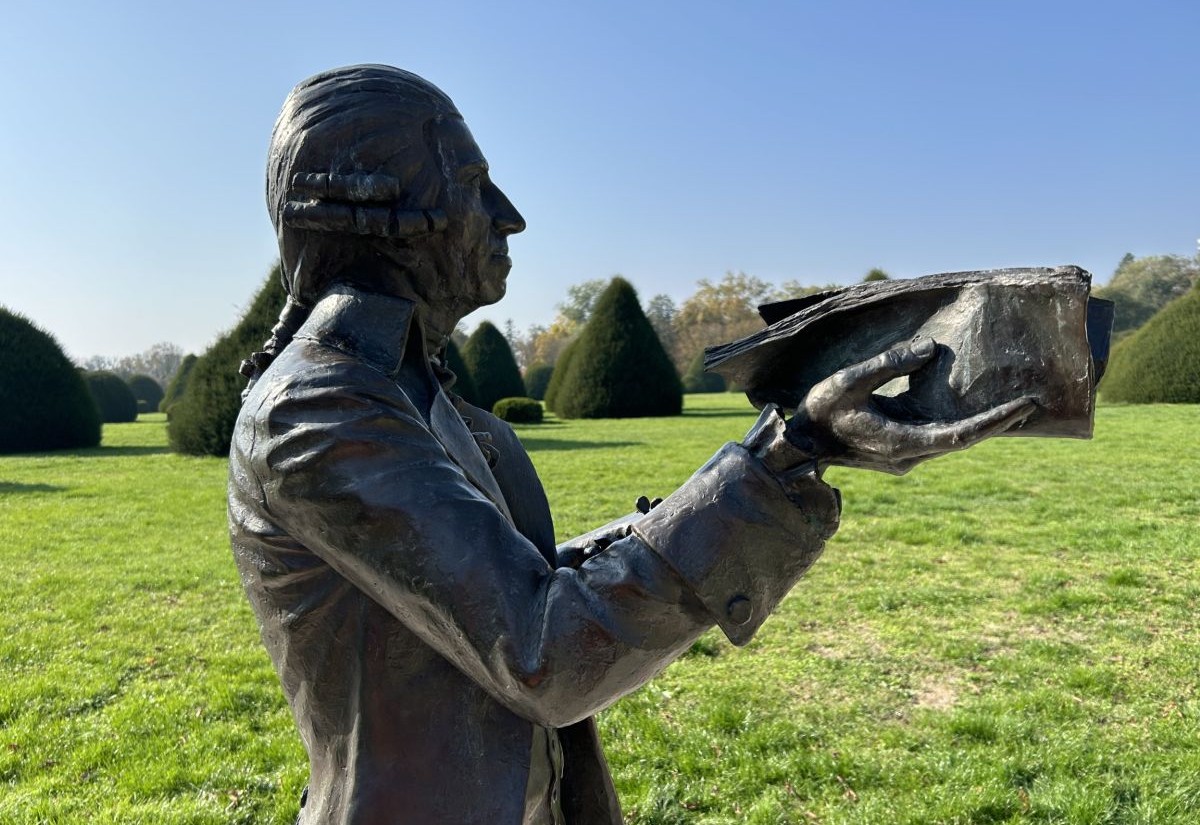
(1002, 636)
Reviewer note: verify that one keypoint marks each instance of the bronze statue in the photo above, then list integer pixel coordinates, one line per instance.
(442, 658)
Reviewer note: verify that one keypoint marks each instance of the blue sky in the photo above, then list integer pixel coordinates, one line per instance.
(663, 141)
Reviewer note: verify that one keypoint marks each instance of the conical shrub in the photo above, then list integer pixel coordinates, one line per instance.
(464, 385)
(201, 421)
(178, 384)
(561, 368)
(493, 368)
(619, 368)
(114, 399)
(1160, 362)
(44, 404)
(537, 380)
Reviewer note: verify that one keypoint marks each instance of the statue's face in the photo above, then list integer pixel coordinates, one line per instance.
(472, 254)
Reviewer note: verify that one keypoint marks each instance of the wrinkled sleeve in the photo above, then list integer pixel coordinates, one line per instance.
(352, 471)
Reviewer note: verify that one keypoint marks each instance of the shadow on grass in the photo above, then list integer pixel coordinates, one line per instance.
(114, 452)
(533, 444)
(719, 413)
(16, 487)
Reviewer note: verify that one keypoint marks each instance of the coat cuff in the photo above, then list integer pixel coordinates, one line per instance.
(740, 536)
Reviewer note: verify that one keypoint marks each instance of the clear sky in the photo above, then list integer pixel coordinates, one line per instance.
(665, 141)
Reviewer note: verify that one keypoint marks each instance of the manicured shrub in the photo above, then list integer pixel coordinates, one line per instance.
(44, 403)
(178, 384)
(113, 398)
(537, 380)
(619, 369)
(1160, 363)
(561, 368)
(464, 385)
(201, 421)
(147, 392)
(697, 380)
(493, 368)
(519, 410)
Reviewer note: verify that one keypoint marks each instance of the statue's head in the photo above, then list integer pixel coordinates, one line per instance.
(374, 178)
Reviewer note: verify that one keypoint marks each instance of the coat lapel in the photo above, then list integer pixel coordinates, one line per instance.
(448, 428)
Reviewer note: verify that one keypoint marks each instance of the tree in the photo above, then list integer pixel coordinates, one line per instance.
(661, 312)
(875, 274)
(581, 299)
(618, 368)
(201, 422)
(160, 362)
(178, 384)
(464, 385)
(44, 404)
(147, 392)
(492, 366)
(718, 312)
(113, 398)
(1142, 286)
(1160, 362)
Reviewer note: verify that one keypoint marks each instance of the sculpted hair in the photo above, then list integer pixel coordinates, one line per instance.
(351, 154)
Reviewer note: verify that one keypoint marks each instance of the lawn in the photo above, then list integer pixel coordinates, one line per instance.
(1002, 636)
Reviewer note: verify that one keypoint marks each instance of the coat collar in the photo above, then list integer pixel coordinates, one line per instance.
(377, 329)
(367, 325)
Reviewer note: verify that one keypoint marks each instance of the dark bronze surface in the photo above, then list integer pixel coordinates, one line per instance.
(441, 656)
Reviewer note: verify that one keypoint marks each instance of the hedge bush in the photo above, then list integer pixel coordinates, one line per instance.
(1160, 362)
(113, 398)
(561, 367)
(463, 385)
(619, 368)
(697, 380)
(537, 380)
(201, 421)
(519, 410)
(178, 384)
(493, 368)
(147, 392)
(44, 403)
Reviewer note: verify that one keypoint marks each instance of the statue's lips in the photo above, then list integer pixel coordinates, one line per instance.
(500, 256)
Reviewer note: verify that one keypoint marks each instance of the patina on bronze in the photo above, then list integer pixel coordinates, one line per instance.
(441, 656)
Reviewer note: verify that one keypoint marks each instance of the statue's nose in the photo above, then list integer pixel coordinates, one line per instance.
(505, 217)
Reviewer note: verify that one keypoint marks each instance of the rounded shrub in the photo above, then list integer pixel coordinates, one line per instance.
(113, 398)
(493, 368)
(1160, 362)
(201, 421)
(619, 368)
(537, 380)
(519, 410)
(178, 384)
(463, 384)
(147, 392)
(44, 403)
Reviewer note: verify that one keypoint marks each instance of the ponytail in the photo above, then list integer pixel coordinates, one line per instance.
(290, 320)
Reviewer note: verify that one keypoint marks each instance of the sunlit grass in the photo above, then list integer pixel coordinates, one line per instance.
(1002, 636)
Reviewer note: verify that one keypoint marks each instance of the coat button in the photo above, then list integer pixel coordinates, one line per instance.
(739, 610)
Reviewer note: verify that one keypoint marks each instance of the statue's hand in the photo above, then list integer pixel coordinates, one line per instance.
(842, 423)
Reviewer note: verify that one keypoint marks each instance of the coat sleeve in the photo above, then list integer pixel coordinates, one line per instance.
(352, 471)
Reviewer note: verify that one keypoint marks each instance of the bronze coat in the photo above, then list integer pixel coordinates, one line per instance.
(410, 597)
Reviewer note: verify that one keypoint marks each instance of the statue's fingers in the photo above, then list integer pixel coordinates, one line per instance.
(859, 380)
(932, 439)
